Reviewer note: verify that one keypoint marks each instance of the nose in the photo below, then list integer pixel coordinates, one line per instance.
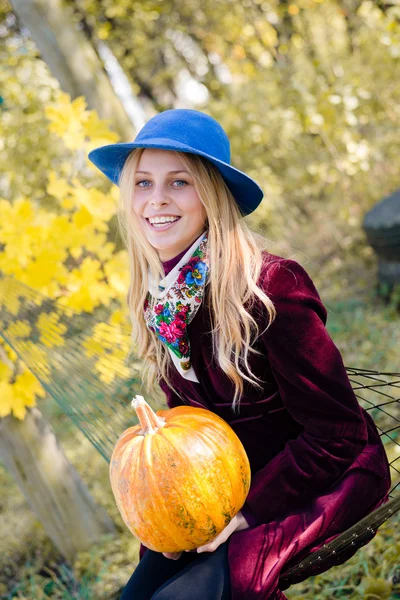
(159, 197)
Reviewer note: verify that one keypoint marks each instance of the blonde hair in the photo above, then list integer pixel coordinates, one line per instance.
(236, 260)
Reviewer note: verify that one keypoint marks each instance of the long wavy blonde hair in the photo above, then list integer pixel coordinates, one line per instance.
(236, 259)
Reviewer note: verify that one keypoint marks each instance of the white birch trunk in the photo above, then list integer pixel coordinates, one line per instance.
(52, 487)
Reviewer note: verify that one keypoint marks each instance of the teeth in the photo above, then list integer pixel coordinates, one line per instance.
(161, 224)
(163, 220)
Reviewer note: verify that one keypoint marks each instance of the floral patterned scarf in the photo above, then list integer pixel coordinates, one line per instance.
(180, 294)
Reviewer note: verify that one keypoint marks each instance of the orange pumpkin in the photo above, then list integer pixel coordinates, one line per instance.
(179, 477)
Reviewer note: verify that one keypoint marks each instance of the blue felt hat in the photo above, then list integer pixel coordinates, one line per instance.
(185, 130)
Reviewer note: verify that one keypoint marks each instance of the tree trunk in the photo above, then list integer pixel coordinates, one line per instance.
(72, 59)
(52, 487)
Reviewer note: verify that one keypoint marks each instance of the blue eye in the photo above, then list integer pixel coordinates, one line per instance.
(147, 181)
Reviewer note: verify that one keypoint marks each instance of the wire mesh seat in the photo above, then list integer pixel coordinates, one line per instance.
(81, 362)
(378, 393)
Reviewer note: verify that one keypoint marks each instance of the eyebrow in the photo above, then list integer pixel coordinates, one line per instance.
(148, 173)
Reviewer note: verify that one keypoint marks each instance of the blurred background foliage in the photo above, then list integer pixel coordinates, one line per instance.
(308, 93)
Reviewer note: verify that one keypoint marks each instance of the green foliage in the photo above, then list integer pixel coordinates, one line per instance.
(366, 331)
(26, 86)
(370, 573)
(391, 294)
(305, 90)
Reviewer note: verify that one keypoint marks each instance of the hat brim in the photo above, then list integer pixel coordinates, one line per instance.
(111, 158)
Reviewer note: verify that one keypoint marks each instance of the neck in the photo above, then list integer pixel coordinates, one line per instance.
(169, 264)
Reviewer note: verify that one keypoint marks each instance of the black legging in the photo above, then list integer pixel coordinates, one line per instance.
(192, 577)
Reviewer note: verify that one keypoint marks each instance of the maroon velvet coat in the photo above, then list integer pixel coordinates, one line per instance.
(317, 461)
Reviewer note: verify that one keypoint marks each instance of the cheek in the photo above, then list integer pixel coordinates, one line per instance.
(201, 213)
(137, 207)
(195, 207)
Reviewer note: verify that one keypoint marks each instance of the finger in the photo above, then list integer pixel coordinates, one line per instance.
(216, 542)
(207, 549)
(172, 555)
(221, 537)
(211, 547)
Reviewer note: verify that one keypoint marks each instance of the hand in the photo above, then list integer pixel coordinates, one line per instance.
(172, 555)
(237, 524)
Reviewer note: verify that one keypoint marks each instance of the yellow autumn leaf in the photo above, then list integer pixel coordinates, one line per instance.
(16, 397)
(104, 252)
(62, 105)
(76, 252)
(19, 214)
(92, 347)
(86, 300)
(18, 251)
(6, 212)
(106, 334)
(98, 131)
(62, 230)
(51, 329)
(67, 203)
(36, 355)
(118, 317)
(6, 398)
(106, 375)
(116, 269)
(86, 287)
(111, 365)
(18, 329)
(100, 205)
(120, 354)
(89, 271)
(26, 388)
(66, 119)
(9, 299)
(46, 268)
(77, 126)
(57, 186)
(5, 371)
(11, 354)
(82, 218)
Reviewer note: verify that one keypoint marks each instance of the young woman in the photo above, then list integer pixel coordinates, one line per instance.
(222, 323)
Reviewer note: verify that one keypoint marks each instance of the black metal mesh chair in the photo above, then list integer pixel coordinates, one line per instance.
(379, 394)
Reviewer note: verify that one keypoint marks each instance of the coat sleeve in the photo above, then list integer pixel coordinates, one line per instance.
(315, 389)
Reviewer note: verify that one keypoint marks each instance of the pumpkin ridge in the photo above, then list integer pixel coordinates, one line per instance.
(203, 426)
(187, 459)
(132, 500)
(136, 475)
(156, 498)
(178, 533)
(122, 483)
(123, 466)
(238, 491)
(231, 471)
(210, 498)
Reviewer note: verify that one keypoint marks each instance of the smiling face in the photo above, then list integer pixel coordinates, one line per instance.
(163, 188)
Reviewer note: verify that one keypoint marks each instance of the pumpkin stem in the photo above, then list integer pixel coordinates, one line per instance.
(148, 419)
